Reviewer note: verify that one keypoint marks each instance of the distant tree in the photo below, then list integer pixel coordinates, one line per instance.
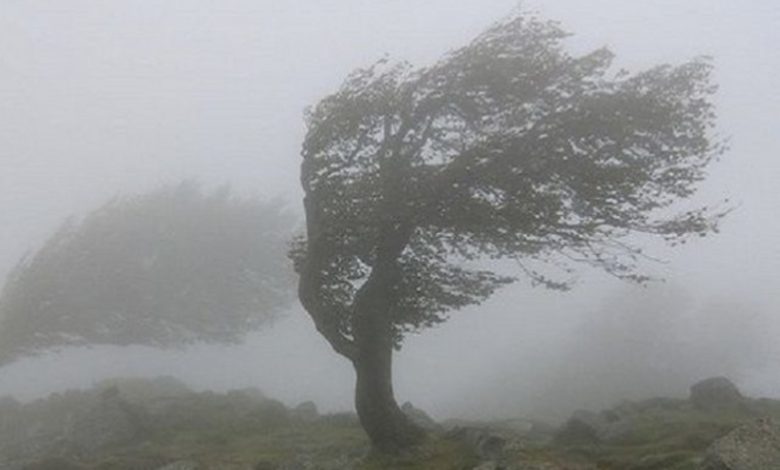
(169, 268)
(506, 148)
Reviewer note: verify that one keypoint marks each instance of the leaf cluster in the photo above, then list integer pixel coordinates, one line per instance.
(509, 147)
(167, 268)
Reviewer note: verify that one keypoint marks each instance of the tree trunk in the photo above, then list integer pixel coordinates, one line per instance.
(369, 346)
(387, 426)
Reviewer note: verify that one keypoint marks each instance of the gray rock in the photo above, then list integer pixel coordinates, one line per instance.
(754, 446)
(306, 411)
(419, 417)
(584, 427)
(715, 393)
(487, 445)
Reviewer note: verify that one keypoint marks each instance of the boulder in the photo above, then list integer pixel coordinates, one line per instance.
(754, 446)
(715, 393)
(306, 411)
(583, 427)
(485, 444)
(242, 401)
(419, 417)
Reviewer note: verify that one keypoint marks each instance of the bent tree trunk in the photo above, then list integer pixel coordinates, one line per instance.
(371, 354)
(370, 347)
(389, 429)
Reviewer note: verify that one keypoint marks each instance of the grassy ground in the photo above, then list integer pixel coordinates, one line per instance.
(323, 445)
(216, 436)
(660, 440)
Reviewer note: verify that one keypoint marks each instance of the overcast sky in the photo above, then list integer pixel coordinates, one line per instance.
(99, 98)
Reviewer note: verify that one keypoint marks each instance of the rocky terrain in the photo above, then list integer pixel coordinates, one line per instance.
(160, 424)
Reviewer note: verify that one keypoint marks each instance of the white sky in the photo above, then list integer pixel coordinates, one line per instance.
(99, 98)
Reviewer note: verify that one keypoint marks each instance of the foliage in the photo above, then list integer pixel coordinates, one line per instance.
(167, 268)
(507, 148)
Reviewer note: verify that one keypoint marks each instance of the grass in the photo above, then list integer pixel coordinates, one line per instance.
(662, 438)
(659, 440)
(316, 441)
(436, 453)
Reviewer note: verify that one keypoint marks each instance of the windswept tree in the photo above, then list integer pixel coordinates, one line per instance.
(169, 268)
(506, 148)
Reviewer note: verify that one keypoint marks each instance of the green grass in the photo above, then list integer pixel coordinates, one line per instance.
(436, 453)
(659, 439)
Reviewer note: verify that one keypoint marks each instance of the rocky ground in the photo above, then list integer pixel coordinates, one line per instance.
(139, 424)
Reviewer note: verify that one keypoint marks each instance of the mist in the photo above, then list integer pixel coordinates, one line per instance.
(101, 99)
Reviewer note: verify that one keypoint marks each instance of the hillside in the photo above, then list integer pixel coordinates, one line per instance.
(160, 424)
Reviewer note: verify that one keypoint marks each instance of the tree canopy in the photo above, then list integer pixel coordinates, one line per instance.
(172, 267)
(509, 147)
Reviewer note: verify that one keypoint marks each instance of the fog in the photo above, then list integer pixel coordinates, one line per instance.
(106, 98)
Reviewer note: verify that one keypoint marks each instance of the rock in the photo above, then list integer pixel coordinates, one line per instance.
(715, 393)
(419, 417)
(584, 427)
(487, 445)
(270, 414)
(754, 446)
(306, 411)
(243, 401)
(748, 447)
